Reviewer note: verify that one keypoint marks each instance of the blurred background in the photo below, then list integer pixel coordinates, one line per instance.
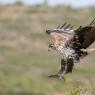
(25, 62)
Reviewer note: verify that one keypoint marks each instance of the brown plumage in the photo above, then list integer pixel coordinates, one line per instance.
(70, 43)
(86, 35)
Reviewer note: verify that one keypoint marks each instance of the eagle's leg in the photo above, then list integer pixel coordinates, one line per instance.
(69, 66)
(60, 74)
(63, 67)
(66, 67)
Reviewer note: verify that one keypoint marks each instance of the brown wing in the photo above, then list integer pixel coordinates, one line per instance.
(86, 35)
(60, 38)
(89, 37)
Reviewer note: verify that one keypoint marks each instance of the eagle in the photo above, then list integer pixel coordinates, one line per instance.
(72, 44)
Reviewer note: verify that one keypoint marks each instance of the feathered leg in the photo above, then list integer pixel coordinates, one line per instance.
(63, 66)
(62, 70)
(70, 65)
(66, 67)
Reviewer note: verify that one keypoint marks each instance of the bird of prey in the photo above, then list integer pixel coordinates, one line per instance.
(71, 44)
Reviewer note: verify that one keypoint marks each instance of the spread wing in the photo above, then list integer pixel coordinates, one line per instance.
(62, 34)
(86, 35)
(61, 38)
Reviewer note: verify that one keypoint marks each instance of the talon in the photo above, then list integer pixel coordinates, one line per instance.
(53, 76)
(59, 76)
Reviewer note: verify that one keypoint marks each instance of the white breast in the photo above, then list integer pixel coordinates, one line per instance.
(65, 51)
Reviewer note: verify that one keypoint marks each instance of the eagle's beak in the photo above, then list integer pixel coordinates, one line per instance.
(50, 47)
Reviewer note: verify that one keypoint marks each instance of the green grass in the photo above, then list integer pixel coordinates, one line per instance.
(25, 62)
(17, 25)
(20, 74)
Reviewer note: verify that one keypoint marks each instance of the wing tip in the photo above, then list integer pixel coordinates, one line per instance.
(92, 23)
